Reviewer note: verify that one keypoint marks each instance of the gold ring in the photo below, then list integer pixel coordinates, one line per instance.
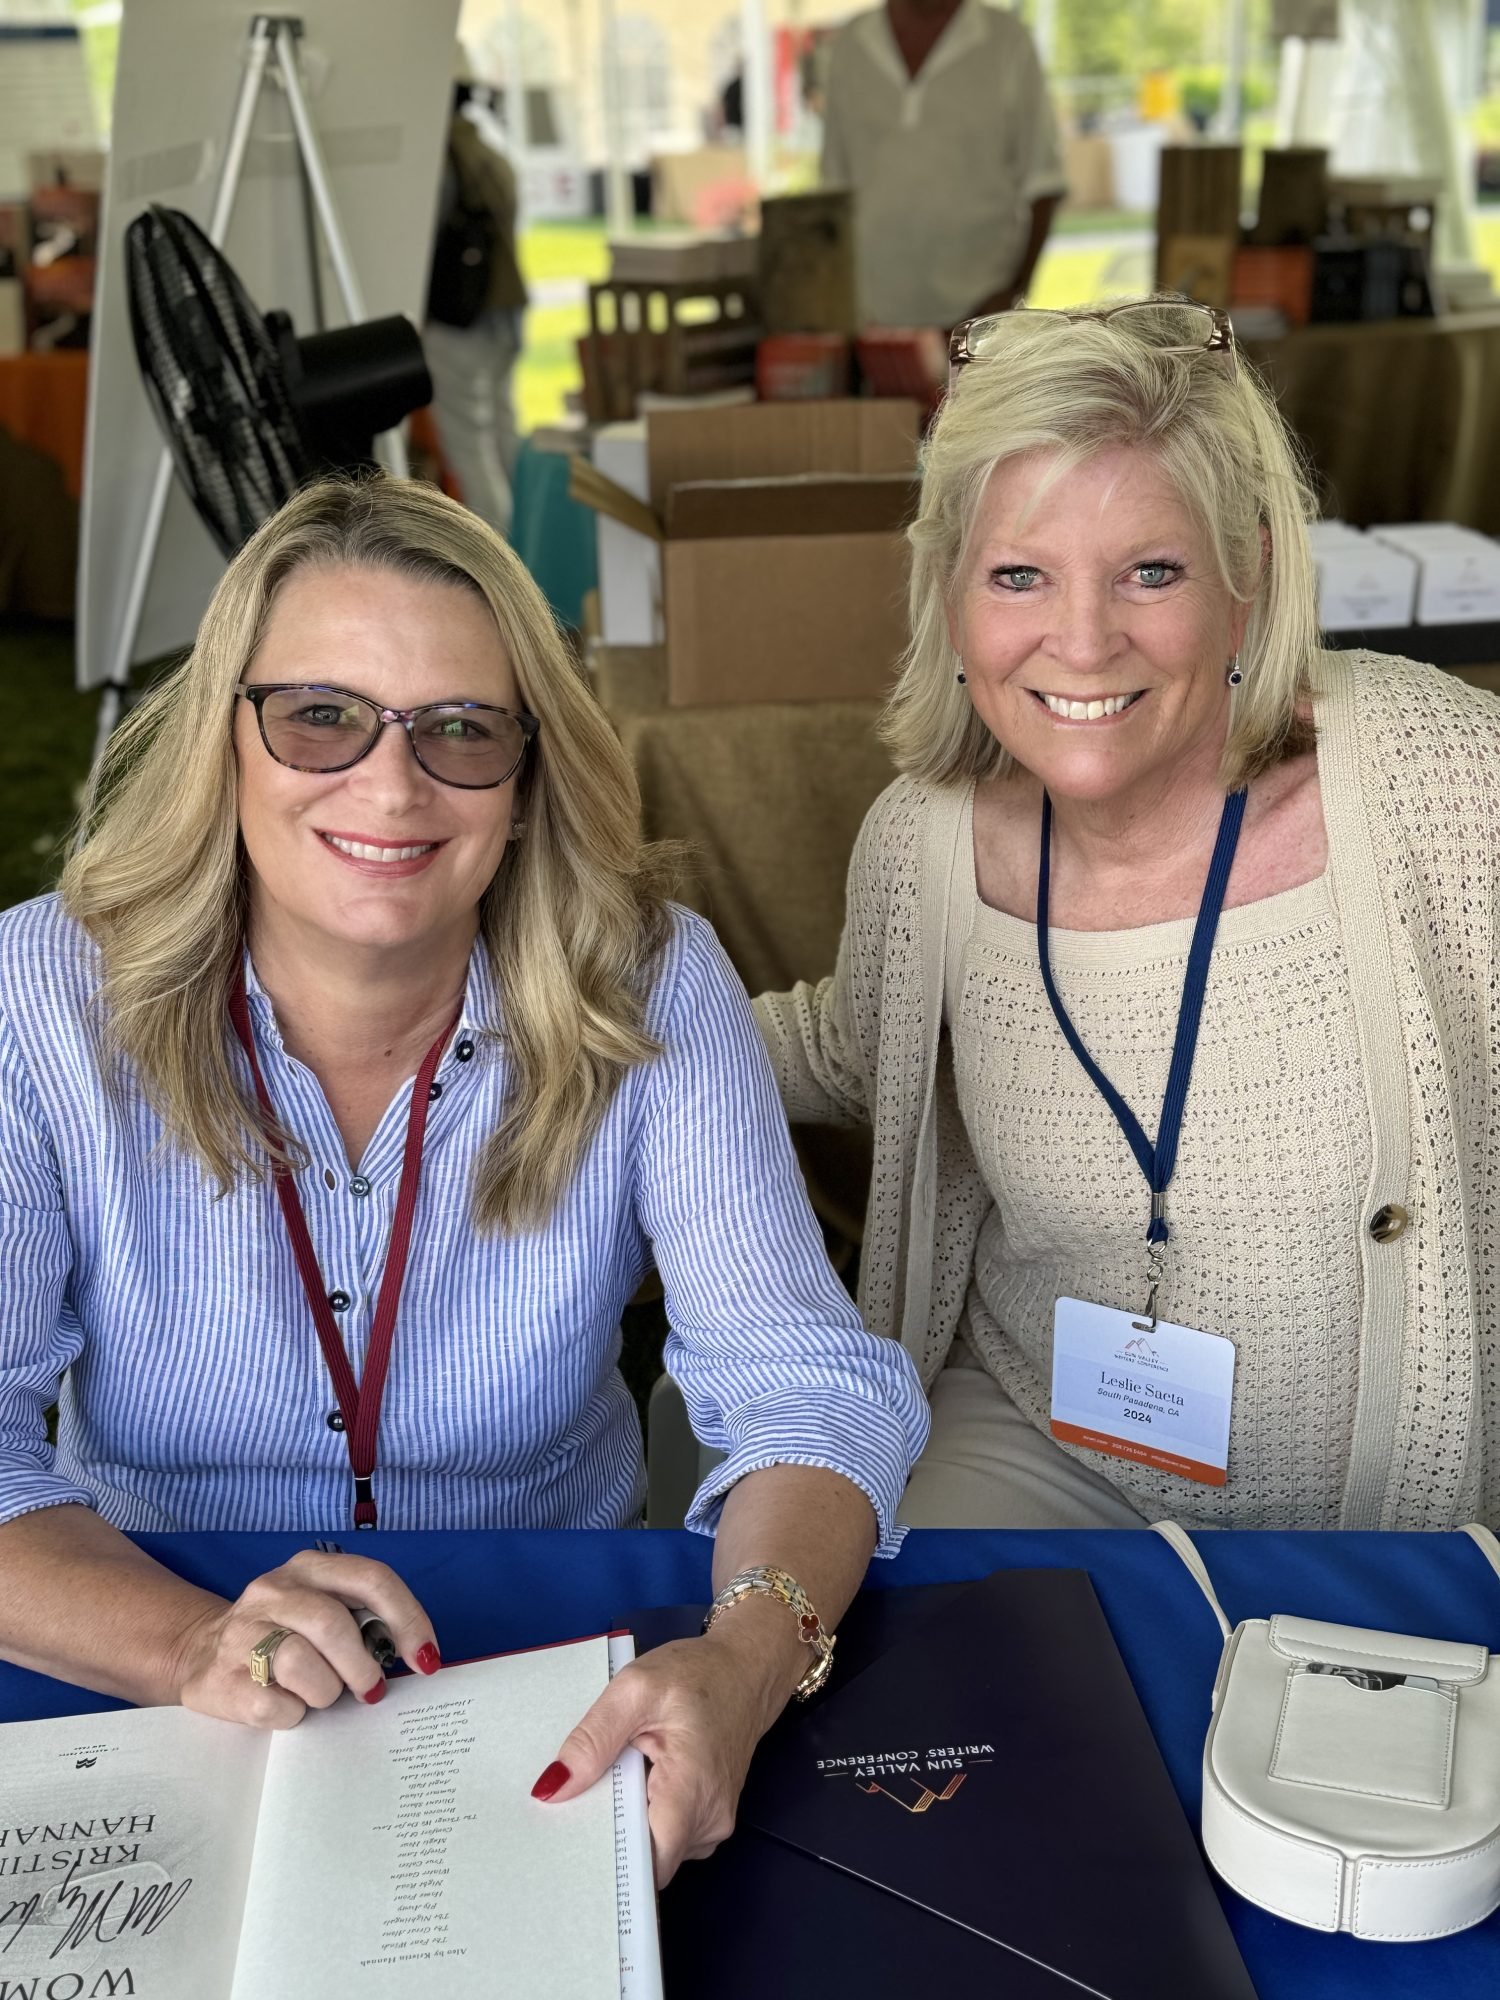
(263, 1657)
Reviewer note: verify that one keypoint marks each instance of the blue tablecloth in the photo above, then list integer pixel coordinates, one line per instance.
(488, 1592)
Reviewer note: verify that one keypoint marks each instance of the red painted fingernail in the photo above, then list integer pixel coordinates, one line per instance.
(428, 1659)
(374, 1694)
(551, 1781)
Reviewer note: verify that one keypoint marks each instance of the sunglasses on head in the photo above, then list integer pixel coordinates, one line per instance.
(1171, 326)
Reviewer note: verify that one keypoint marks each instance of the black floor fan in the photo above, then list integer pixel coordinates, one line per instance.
(250, 411)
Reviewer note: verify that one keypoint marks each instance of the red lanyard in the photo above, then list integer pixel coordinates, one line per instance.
(359, 1404)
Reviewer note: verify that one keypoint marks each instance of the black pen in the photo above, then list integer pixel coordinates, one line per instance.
(376, 1635)
(372, 1627)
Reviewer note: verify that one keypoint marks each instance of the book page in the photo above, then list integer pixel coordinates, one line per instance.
(635, 1877)
(399, 1850)
(125, 1844)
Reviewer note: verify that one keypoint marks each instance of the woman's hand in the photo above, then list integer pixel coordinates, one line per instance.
(697, 1709)
(310, 1597)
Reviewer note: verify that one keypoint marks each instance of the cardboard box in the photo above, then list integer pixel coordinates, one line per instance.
(786, 589)
(1364, 585)
(780, 542)
(682, 257)
(779, 440)
(684, 186)
(1089, 169)
(1459, 582)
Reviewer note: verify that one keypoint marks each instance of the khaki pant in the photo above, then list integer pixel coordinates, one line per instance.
(986, 1466)
(473, 401)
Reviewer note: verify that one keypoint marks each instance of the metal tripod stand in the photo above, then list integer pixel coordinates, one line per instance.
(273, 40)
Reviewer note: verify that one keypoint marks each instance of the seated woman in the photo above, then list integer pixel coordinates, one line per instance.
(1265, 1300)
(361, 898)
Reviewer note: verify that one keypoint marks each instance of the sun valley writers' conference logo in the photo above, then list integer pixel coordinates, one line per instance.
(915, 1780)
(1139, 1353)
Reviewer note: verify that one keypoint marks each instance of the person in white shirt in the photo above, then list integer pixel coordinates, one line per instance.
(938, 118)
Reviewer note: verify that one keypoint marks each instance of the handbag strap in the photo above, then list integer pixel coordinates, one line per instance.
(1182, 1543)
(1179, 1539)
(1485, 1542)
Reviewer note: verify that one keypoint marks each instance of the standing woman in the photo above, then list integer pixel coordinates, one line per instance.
(1168, 978)
(346, 1092)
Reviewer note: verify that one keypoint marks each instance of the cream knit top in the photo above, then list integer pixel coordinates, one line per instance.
(1264, 1207)
(1409, 770)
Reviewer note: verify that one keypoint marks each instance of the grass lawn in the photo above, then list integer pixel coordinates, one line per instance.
(46, 740)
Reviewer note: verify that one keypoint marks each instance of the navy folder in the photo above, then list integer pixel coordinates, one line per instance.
(976, 1800)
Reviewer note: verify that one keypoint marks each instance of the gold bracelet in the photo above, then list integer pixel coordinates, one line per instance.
(777, 1583)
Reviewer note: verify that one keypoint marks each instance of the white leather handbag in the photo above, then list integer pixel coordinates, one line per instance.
(1351, 1779)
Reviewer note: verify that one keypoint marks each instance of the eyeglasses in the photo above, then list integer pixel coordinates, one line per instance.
(1171, 326)
(465, 743)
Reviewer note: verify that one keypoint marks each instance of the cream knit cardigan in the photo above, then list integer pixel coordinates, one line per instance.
(1409, 764)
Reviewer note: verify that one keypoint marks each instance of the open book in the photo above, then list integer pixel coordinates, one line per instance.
(393, 1850)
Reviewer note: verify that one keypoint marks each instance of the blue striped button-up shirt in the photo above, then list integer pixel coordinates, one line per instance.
(194, 1393)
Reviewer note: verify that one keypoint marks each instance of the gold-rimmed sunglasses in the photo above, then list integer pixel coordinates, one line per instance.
(1203, 329)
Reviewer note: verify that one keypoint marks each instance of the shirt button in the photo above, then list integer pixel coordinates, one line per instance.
(335, 1421)
(339, 1301)
(465, 1051)
(1387, 1223)
(359, 1185)
(435, 1092)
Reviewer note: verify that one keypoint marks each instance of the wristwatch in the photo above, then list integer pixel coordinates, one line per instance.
(777, 1583)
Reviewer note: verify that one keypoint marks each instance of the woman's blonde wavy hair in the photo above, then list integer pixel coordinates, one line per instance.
(573, 921)
(1075, 387)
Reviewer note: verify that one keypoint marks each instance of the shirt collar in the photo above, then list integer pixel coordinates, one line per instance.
(481, 1011)
(961, 37)
(262, 1013)
(479, 1016)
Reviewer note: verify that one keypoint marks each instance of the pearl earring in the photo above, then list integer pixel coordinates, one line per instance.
(963, 678)
(1236, 673)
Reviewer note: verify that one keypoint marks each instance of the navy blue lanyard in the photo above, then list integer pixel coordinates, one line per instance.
(1155, 1162)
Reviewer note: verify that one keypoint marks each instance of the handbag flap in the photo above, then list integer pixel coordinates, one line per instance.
(1378, 1652)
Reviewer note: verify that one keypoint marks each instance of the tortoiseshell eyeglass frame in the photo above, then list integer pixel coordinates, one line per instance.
(964, 344)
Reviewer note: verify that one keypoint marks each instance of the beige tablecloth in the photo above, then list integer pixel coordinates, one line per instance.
(770, 798)
(1400, 417)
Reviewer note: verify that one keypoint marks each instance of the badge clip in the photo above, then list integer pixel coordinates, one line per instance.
(1155, 1261)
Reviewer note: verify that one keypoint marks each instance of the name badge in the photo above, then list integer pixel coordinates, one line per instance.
(1156, 1395)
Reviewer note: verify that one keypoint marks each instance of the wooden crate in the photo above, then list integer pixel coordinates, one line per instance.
(639, 338)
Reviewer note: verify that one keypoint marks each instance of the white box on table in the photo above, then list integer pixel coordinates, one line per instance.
(1459, 582)
(1364, 585)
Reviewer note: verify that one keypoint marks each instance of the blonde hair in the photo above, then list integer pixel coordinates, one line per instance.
(1074, 387)
(573, 922)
